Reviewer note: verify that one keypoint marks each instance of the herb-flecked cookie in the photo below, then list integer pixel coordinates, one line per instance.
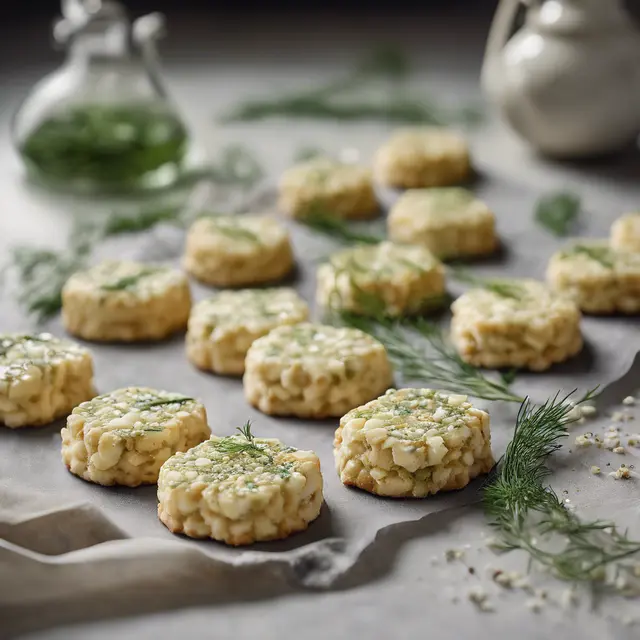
(125, 436)
(412, 443)
(423, 157)
(240, 490)
(41, 378)
(344, 190)
(449, 221)
(517, 323)
(126, 301)
(238, 250)
(222, 328)
(625, 233)
(314, 371)
(598, 278)
(396, 280)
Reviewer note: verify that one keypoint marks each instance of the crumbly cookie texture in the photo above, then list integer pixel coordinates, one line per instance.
(125, 436)
(126, 301)
(423, 157)
(449, 221)
(314, 371)
(238, 251)
(625, 233)
(521, 324)
(222, 328)
(403, 280)
(598, 278)
(412, 443)
(41, 378)
(346, 190)
(239, 491)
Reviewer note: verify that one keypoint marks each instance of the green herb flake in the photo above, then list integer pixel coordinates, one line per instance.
(557, 212)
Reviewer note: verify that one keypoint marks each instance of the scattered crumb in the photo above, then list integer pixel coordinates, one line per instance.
(453, 554)
(622, 473)
(596, 470)
(535, 604)
(619, 450)
(629, 400)
(585, 440)
(621, 416)
(588, 410)
(634, 440)
(568, 598)
(480, 598)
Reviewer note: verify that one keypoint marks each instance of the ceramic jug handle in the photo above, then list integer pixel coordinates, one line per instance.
(502, 25)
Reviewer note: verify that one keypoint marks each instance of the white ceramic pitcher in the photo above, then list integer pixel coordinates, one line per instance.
(569, 80)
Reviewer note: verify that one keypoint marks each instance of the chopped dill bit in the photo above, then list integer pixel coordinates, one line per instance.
(164, 401)
(232, 230)
(127, 282)
(502, 287)
(601, 254)
(557, 212)
(307, 152)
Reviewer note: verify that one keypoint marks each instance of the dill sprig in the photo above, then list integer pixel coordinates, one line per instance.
(322, 221)
(334, 100)
(244, 443)
(557, 212)
(529, 516)
(420, 353)
(503, 287)
(164, 401)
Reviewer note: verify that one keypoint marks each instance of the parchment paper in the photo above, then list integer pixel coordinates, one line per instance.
(61, 537)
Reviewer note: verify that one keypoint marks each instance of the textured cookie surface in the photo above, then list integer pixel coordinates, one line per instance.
(222, 328)
(413, 443)
(240, 491)
(598, 278)
(126, 301)
(401, 280)
(314, 371)
(345, 190)
(236, 251)
(124, 437)
(625, 233)
(449, 221)
(41, 378)
(423, 157)
(518, 323)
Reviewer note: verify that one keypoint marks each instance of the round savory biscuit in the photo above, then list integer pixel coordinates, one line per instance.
(598, 278)
(384, 278)
(222, 328)
(346, 190)
(422, 157)
(126, 301)
(239, 490)
(412, 443)
(41, 378)
(625, 233)
(515, 323)
(314, 371)
(238, 250)
(125, 436)
(449, 221)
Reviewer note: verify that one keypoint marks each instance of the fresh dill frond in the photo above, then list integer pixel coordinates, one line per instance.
(243, 443)
(557, 212)
(502, 287)
(529, 516)
(338, 99)
(420, 353)
(161, 402)
(323, 221)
